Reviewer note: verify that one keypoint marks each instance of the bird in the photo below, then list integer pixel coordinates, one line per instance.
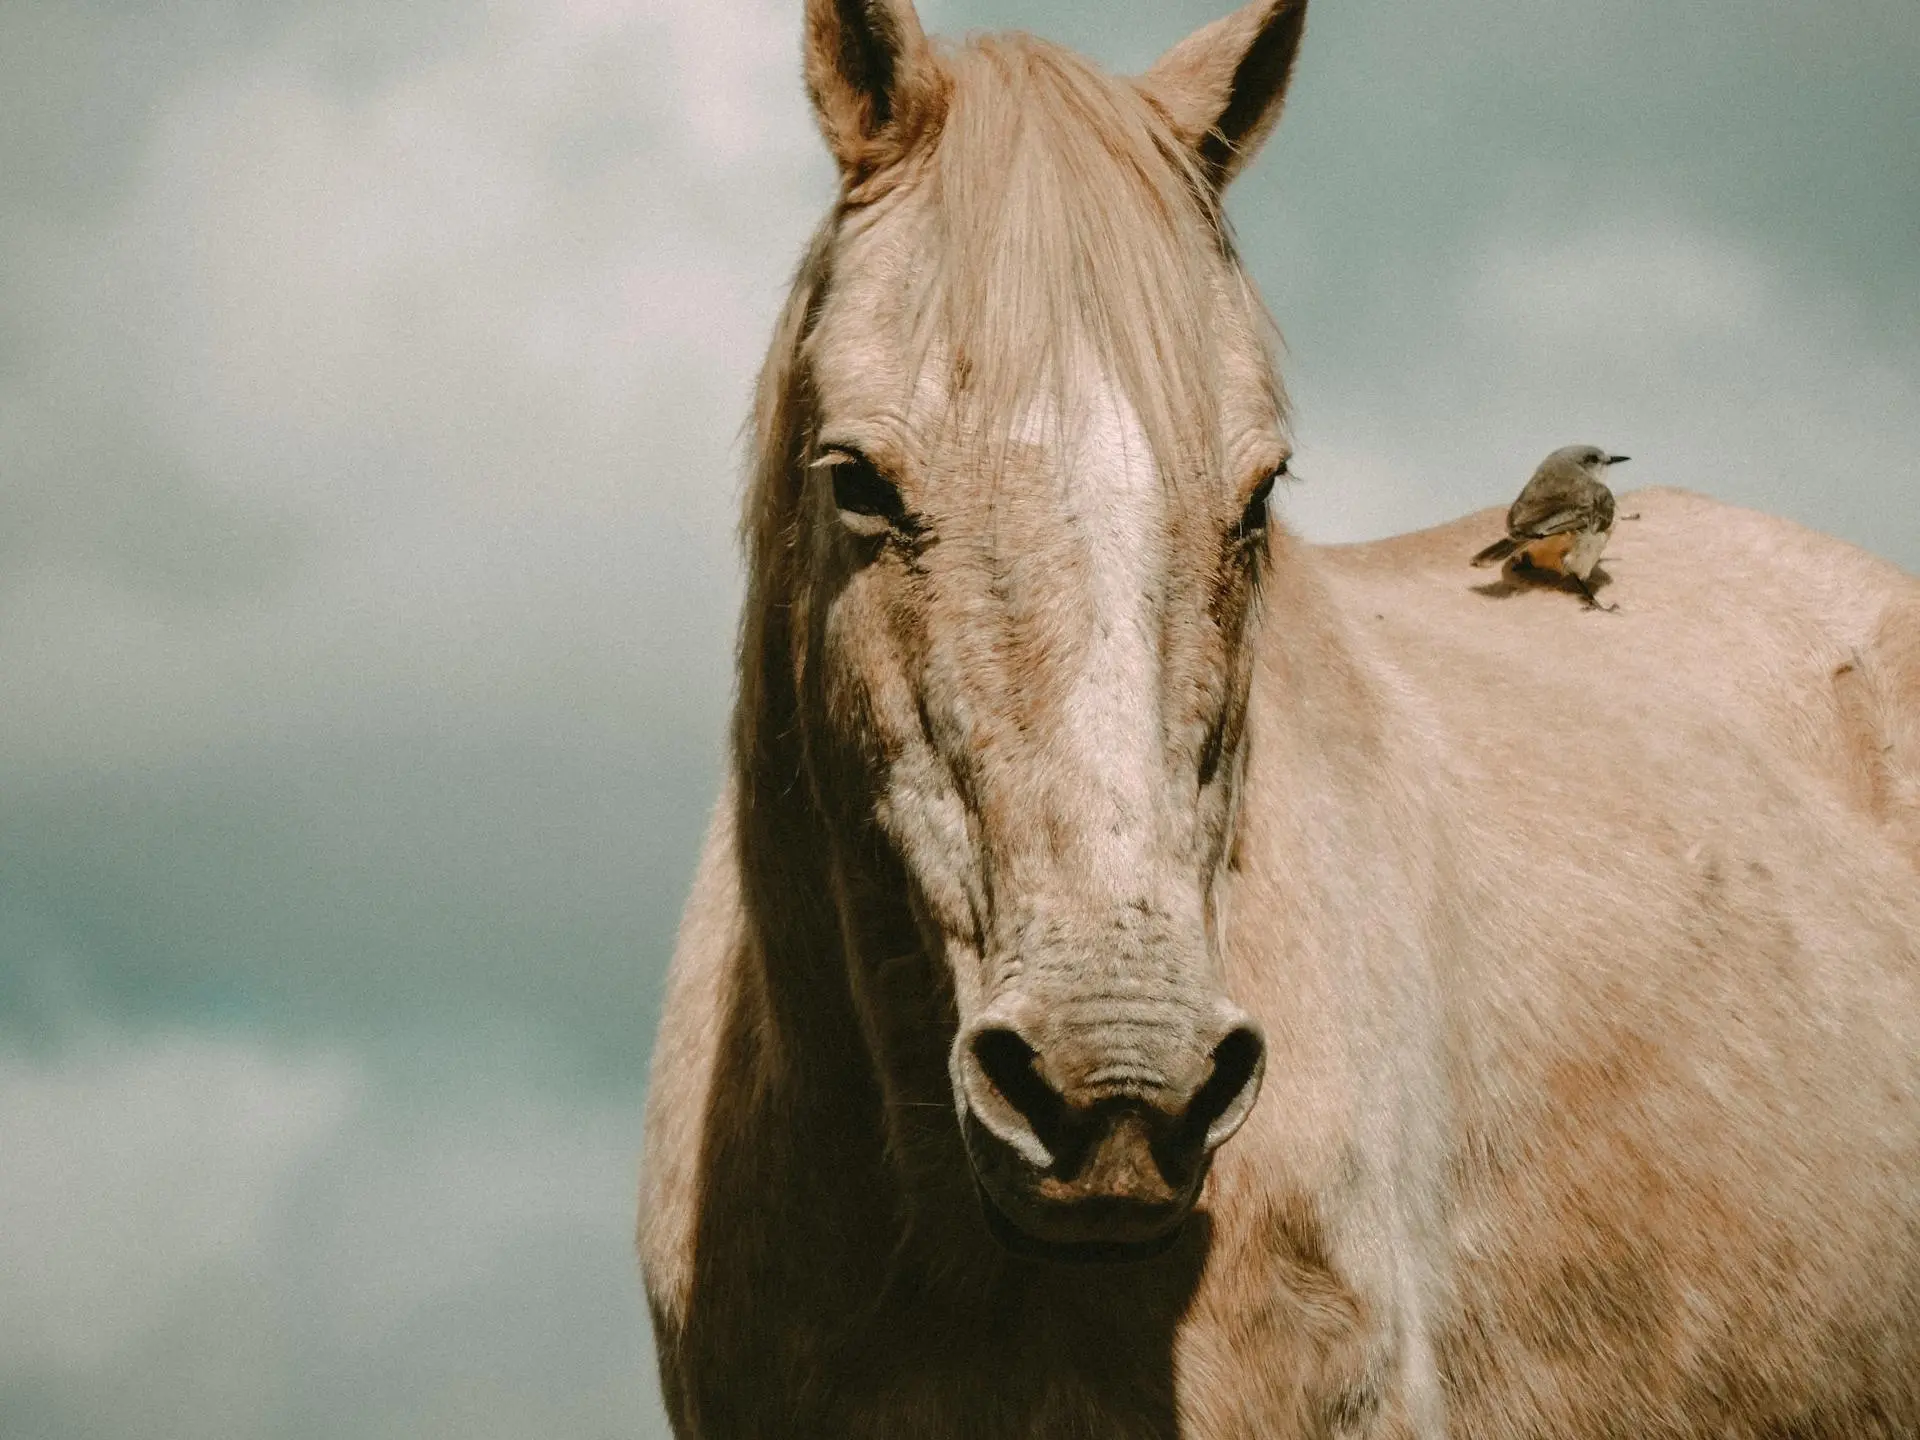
(1563, 517)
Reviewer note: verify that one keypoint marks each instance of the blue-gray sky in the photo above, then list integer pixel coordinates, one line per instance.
(369, 382)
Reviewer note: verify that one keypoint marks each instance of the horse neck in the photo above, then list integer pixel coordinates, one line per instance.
(858, 1080)
(1347, 844)
(808, 1023)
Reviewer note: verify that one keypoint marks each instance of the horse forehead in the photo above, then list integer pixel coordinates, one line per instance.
(1078, 441)
(1082, 458)
(1089, 434)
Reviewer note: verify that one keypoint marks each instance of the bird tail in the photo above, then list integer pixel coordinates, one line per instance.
(1498, 550)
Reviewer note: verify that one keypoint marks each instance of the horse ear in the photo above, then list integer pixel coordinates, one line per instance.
(872, 78)
(1222, 86)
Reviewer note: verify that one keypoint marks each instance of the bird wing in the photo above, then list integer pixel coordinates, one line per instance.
(1536, 526)
(1603, 506)
(1551, 505)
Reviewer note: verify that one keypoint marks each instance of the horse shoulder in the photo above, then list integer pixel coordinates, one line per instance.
(686, 1058)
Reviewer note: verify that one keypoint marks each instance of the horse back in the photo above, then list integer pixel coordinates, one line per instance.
(1684, 1003)
(1730, 623)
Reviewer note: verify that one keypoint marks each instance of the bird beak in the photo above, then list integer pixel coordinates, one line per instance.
(1617, 459)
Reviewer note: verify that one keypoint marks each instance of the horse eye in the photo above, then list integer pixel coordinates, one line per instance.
(1253, 519)
(861, 490)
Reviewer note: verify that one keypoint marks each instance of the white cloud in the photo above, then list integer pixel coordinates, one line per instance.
(367, 550)
(208, 1238)
(359, 396)
(1712, 365)
(1617, 285)
(131, 1174)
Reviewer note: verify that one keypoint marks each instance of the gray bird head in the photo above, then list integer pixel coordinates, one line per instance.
(1590, 458)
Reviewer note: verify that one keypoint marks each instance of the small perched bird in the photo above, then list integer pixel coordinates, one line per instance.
(1563, 517)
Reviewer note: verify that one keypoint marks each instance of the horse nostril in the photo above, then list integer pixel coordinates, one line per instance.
(1007, 1063)
(1222, 1103)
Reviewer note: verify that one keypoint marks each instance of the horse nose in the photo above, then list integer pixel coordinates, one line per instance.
(1082, 1105)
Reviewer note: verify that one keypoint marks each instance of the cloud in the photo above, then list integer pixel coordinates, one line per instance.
(1688, 349)
(132, 1174)
(482, 298)
(365, 555)
(367, 586)
(1617, 287)
(201, 1237)
(367, 558)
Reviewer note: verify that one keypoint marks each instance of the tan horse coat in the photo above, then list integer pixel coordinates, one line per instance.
(1586, 949)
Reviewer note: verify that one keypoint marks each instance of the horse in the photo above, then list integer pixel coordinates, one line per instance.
(1150, 976)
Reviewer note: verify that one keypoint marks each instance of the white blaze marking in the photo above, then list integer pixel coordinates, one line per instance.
(1116, 499)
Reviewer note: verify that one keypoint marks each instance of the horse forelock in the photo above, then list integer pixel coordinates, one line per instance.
(1068, 231)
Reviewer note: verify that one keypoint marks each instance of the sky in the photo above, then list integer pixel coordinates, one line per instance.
(371, 376)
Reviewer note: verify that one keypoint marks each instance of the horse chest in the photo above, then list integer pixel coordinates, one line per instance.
(1172, 1349)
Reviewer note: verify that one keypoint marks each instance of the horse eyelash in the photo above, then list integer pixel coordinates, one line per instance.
(1255, 518)
(881, 498)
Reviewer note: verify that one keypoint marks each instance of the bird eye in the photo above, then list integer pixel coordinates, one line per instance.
(868, 502)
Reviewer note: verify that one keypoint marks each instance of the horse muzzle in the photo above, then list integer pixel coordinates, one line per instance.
(1091, 1142)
